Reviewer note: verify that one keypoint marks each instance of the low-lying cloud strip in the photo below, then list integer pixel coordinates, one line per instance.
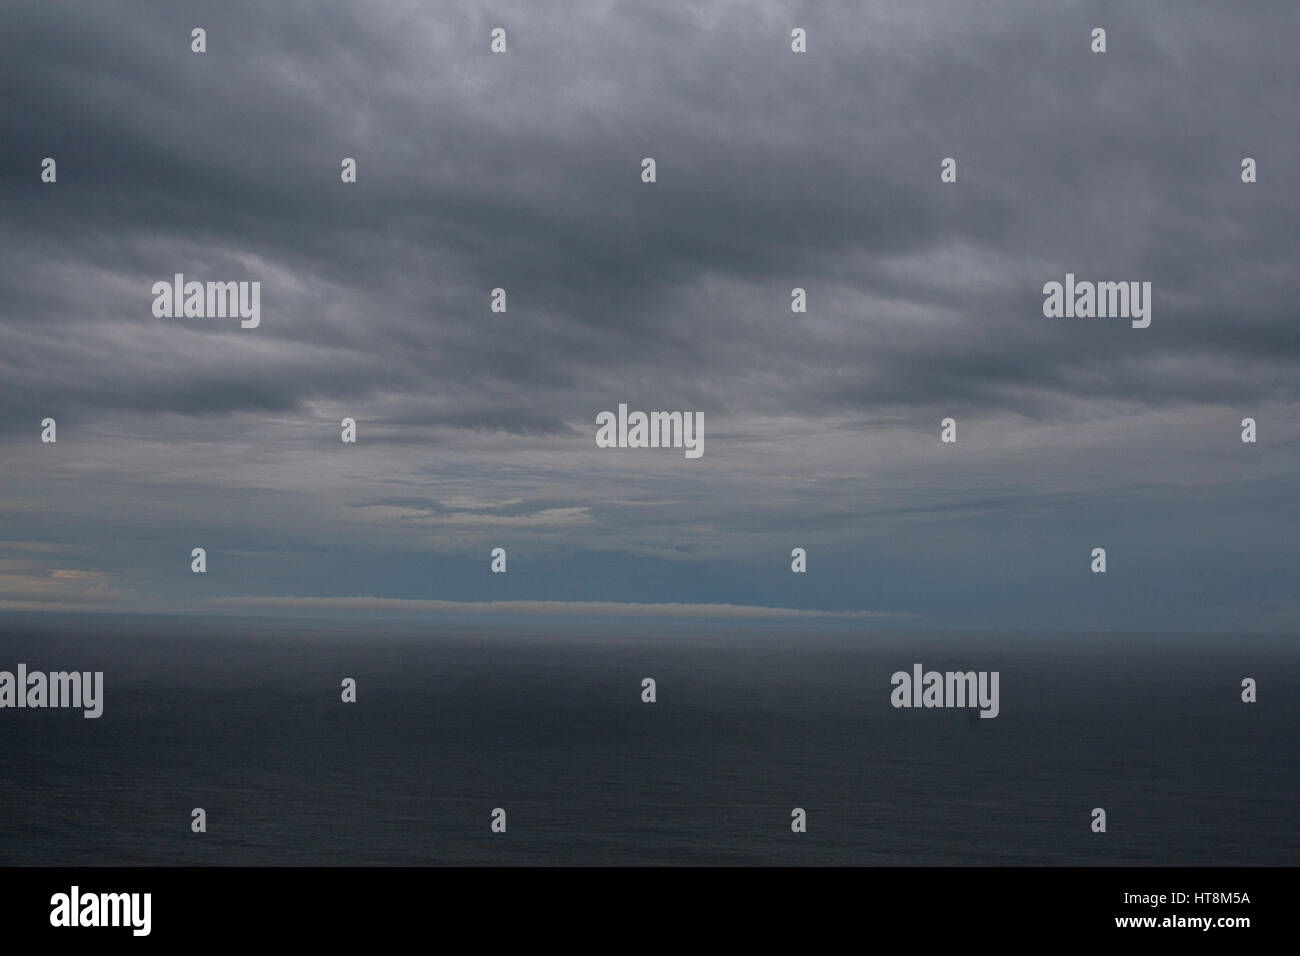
(532, 608)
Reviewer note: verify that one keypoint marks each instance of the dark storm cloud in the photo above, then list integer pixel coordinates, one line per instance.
(522, 171)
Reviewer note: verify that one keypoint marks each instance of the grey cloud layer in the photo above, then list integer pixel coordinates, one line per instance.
(522, 171)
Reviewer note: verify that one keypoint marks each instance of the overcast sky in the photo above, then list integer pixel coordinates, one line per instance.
(476, 430)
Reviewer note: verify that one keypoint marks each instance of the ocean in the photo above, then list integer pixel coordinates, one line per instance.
(245, 720)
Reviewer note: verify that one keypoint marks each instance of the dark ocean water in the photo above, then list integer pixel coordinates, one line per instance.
(245, 720)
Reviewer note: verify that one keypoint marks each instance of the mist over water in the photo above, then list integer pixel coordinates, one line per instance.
(244, 719)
